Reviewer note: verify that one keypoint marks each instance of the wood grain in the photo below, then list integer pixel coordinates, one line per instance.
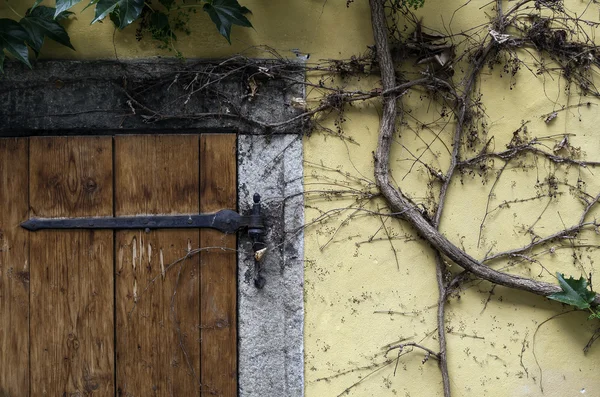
(71, 271)
(218, 269)
(157, 306)
(14, 268)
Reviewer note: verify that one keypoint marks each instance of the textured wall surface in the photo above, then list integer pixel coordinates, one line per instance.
(70, 97)
(369, 280)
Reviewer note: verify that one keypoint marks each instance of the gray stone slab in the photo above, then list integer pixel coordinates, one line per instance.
(271, 320)
(106, 97)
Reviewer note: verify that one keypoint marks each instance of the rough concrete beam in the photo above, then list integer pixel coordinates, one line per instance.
(107, 97)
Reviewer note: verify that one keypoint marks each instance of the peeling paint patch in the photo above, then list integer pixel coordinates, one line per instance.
(162, 263)
(134, 252)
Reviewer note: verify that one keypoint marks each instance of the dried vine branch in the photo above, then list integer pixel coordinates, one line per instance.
(427, 228)
(399, 203)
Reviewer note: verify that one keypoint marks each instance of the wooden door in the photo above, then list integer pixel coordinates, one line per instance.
(124, 313)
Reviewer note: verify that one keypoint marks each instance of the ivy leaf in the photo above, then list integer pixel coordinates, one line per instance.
(12, 39)
(37, 3)
(64, 5)
(574, 293)
(125, 11)
(39, 24)
(225, 13)
(115, 18)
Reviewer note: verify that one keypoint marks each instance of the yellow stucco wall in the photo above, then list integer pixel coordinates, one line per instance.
(356, 288)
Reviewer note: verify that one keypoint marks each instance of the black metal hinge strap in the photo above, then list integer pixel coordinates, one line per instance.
(226, 221)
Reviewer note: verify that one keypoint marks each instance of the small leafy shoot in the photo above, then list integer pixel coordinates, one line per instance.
(160, 27)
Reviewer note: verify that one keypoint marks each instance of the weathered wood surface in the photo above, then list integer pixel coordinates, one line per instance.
(175, 330)
(218, 268)
(71, 329)
(14, 269)
(157, 307)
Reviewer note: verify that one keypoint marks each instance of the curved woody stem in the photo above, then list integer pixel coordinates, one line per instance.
(409, 212)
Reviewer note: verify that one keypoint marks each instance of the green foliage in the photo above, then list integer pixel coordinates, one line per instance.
(225, 13)
(575, 292)
(36, 3)
(13, 38)
(122, 12)
(159, 26)
(64, 5)
(40, 22)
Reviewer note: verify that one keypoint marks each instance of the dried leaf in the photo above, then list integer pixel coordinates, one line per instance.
(551, 117)
(258, 255)
(253, 87)
(564, 144)
(498, 37)
(299, 103)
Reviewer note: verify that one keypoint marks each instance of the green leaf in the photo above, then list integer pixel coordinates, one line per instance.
(13, 38)
(64, 5)
(225, 13)
(39, 24)
(574, 293)
(115, 18)
(126, 11)
(103, 8)
(36, 3)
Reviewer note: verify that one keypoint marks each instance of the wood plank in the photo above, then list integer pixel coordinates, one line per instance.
(218, 268)
(157, 307)
(14, 268)
(72, 334)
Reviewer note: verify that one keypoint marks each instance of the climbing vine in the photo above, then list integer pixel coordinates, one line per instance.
(447, 73)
